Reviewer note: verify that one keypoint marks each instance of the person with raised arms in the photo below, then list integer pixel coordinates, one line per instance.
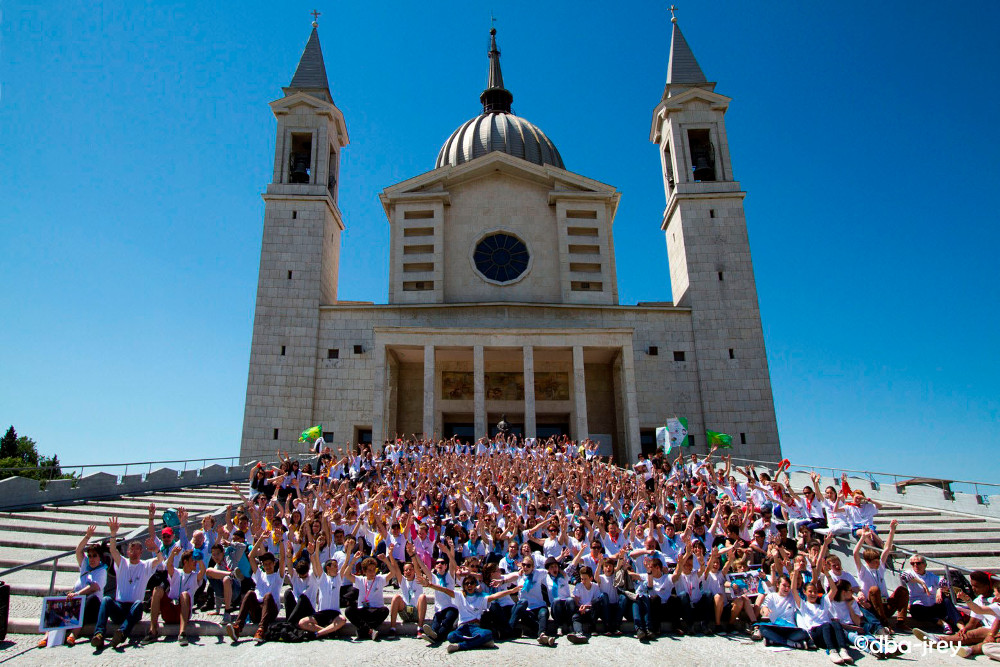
(132, 574)
(471, 604)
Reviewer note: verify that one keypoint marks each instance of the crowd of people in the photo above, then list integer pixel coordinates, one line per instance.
(477, 544)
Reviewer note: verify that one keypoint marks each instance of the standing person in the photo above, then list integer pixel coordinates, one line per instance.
(176, 601)
(93, 578)
(260, 605)
(132, 574)
(471, 605)
(371, 610)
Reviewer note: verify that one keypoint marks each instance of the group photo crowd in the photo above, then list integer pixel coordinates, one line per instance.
(507, 538)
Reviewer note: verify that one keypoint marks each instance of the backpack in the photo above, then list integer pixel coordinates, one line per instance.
(282, 631)
(958, 582)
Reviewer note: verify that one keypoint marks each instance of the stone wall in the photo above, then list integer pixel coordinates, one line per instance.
(19, 492)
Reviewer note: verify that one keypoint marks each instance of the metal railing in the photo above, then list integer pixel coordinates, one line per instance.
(124, 467)
(873, 477)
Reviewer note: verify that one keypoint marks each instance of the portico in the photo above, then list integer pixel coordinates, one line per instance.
(442, 381)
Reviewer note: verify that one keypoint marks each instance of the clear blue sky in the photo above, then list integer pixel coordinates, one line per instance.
(136, 140)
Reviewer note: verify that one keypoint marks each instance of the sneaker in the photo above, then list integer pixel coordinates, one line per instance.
(800, 646)
(232, 632)
(946, 628)
(374, 635)
(117, 639)
(845, 656)
(574, 638)
(641, 635)
(42, 643)
(420, 634)
(454, 648)
(964, 651)
(391, 631)
(925, 636)
(97, 641)
(429, 632)
(150, 638)
(259, 635)
(543, 640)
(183, 640)
(71, 640)
(227, 618)
(552, 641)
(489, 644)
(756, 634)
(835, 658)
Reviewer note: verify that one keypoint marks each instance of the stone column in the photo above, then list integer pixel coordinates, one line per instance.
(579, 395)
(479, 382)
(529, 391)
(378, 398)
(631, 404)
(429, 390)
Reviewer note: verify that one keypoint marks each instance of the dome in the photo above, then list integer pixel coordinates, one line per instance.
(498, 131)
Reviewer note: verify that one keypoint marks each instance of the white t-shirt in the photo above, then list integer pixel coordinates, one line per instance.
(370, 591)
(268, 583)
(586, 595)
(131, 579)
(328, 592)
(714, 583)
(183, 582)
(782, 608)
(558, 587)
(410, 591)
(531, 589)
(813, 614)
(845, 576)
(97, 576)
(986, 619)
(442, 601)
(870, 577)
(690, 584)
(841, 610)
(308, 586)
(607, 585)
(470, 608)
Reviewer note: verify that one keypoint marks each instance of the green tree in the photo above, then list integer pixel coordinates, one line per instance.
(8, 445)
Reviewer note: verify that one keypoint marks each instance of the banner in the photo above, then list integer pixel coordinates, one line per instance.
(311, 434)
(678, 429)
(721, 439)
(663, 439)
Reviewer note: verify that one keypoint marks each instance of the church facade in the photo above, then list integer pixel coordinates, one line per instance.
(503, 295)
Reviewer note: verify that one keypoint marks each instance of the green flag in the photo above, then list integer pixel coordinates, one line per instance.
(721, 439)
(677, 427)
(311, 434)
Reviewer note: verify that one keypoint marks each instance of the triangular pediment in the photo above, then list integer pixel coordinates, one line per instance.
(301, 100)
(692, 97)
(439, 180)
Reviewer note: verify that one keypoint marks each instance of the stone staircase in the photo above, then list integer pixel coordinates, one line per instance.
(27, 535)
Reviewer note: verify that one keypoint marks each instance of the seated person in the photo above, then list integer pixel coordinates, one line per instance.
(260, 605)
(326, 619)
(90, 584)
(874, 599)
(132, 574)
(930, 601)
(471, 604)
(175, 602)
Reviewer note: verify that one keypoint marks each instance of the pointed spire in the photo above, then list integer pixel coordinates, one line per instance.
(682, 68)
(496, 98)
(311, 72)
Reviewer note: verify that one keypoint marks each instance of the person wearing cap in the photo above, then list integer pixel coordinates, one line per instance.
(125, 607)
(166, 542)
(175, 603)
(260, 605)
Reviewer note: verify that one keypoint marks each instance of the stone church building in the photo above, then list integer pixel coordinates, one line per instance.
(503, 296)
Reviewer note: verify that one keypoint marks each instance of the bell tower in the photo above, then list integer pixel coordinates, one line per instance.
(709, 255)
(300, 256)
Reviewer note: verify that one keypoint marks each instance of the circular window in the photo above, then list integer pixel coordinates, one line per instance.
(501, 257)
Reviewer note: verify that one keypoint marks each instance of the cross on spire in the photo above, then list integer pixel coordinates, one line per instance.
(493, 20)
(673, 12)
(315, 15)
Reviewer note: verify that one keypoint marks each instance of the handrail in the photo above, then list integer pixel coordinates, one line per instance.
(869, 473)
(63, 467)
